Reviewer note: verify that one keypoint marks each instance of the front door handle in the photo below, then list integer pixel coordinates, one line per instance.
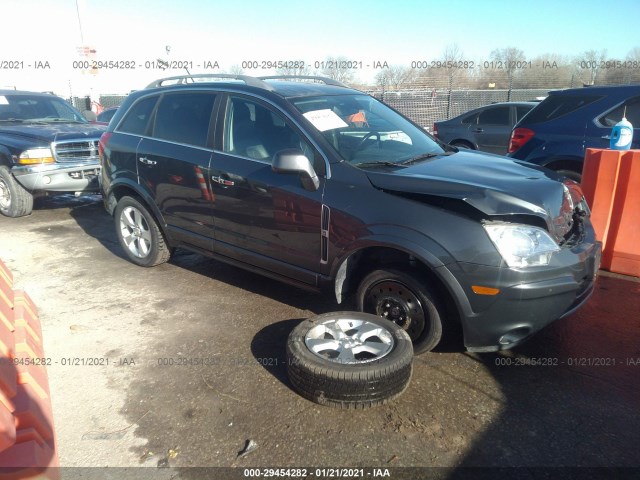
(222, 181)
(606, 137)
(146, 161)
(477, 130)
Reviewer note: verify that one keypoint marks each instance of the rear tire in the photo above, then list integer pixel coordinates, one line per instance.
(15, 200)
(139, 234)
(404, 299)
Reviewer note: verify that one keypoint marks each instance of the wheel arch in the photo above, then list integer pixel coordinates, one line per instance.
(564, 163)
(465, 141)
(5, 157)
(355, 265)
(126, 187)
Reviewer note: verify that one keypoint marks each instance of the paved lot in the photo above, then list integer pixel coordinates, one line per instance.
(152, 401)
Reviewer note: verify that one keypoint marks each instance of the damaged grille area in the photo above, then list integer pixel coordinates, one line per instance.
(76, 151)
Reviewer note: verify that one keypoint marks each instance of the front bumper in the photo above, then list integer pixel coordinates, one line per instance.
(58, 177)
(528, 300)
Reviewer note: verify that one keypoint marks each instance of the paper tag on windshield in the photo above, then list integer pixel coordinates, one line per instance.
(325, 119)
(3, 100)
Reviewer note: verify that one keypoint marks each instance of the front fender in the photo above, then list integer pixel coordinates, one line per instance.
(422, 248)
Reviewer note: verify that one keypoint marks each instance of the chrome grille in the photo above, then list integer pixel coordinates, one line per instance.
(76, 151)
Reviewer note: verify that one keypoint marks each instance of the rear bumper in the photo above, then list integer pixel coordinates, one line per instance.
(528, 300)
(59, 177)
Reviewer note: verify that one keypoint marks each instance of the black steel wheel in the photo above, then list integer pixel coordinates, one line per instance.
(349, 360)
(405, 300)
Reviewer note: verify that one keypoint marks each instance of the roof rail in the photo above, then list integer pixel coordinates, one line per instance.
(183, 79)
(326, 80)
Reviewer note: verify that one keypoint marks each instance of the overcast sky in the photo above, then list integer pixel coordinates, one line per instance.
(232, 32)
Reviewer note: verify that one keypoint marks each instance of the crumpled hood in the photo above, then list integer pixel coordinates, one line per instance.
(493, 184)
(54, 131)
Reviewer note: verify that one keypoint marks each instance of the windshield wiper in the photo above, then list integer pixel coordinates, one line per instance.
(378, 164)
(425, 156)
(18, 120)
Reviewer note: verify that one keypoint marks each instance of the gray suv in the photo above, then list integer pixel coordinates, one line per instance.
(324, 187)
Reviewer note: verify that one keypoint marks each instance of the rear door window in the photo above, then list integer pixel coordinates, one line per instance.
(184, 118)
(556, 106)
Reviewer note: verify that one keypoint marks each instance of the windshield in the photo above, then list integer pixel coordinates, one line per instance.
(37, 108)
(364, 131)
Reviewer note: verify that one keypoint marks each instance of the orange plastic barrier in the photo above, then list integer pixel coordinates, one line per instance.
(611, 184)
(27, 435)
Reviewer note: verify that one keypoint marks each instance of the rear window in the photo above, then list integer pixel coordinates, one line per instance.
(555, 106)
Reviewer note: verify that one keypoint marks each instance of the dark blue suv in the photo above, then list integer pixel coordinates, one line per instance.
(556, 133)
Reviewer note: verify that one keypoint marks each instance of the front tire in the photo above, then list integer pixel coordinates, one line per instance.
(139, 234)
(15, 200)
(406, 300)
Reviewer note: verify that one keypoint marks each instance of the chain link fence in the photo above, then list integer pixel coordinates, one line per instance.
(105, 101)
(428, 106)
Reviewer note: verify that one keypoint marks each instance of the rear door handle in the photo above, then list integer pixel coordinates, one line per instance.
(146, 161)
(222, 181)
(477, 130)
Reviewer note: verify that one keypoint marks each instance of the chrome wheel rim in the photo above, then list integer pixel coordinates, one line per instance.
(135, 232)
(5, 195)
(349, 341)
(394, 301)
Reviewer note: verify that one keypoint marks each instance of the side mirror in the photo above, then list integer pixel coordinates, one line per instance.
(292, 160)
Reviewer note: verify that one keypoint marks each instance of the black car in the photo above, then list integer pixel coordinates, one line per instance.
(559, 130)
(324, 187)
(486, 128)
(46, 145)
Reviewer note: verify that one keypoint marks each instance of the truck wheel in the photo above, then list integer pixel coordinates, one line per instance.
(405, 300)
(349, 360)
(15, 201)
(139, 234)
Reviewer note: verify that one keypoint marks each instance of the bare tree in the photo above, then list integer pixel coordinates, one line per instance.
(395, 76)
(548, 70)
(633, 66)
(294, 72)
(236, 70)
(337, 69)
(509, 58)
(589, 64)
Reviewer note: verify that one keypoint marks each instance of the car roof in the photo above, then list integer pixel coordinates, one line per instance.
(301, 86)
(604, 89)
(24, 92)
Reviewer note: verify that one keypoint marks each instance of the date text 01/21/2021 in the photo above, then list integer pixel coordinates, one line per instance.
(569, 362)
(316, 473)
